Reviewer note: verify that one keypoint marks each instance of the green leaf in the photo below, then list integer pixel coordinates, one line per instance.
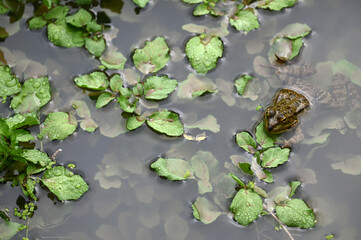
(246, 168)
(81, 18)
(201, 9)
(348, 69)
(274, 157)
(58, 12)
(158, 88)
(21, 120)
(239, 181)
(64, 35)
(126, 105)
(22, 135)
(28, 188)
(9, 83)
(203, 52)
(64, 184)
(36, 157)
(93, 81)
(88, 125)
(141, 3)
(208, 123)
(173, 169)
(329, 237)
(83, 2)
(295, 213)
(166, 122)
(281, 48)
(34, 94)
(116, 83)
(8, 230)
(37, 22)
(138, 90)
(195, 86)
(244, 20)
(294, 185)
(205, 211)
(296, 47)
(58, 125)
(245, 140)
(241, 83)
(94, 27)
(192, 1)
(152, 57)
(295, 30)
(246, 206)
(4, 216)
(134, 122)
(263, 138)
(95, 47)
(81, 108)
(104, 99)
(276, 5)
(269, 177)
(113, 60)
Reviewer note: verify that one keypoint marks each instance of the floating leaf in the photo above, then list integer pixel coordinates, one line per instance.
(9, 84)
(152, 57)
(34, 94)
(244, 20)
(295, 213)
(281, 48)
(63, 35)
(245, 140)
(113, 59)
(192, 1)
(276, 5)
(158, 88)
(264, 139)
(21, 120)
(195, 86)
(126, 105)
(268, 178)
(141, 3)
(173, 168)
(201, 9)
(295, 30)
(205, 211)
(275, 156)
(134, 122)
(246, 168)
(104, 99)
(8, 230)
(58, 12)
(203, 52)
(87, 124)
(95, 46)
(166, 122)
(58, 125)
(350, 165)
(116, 83)
(246, 206)
(348, 69)
(37, 22)
(64, 184)
(294, 185)
(241, 83)
(94, 81)
(201, 171)
(207, 123)
(81, 18)
(36, 157)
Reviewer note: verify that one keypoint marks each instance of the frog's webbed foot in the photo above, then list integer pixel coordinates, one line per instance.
(297, 137)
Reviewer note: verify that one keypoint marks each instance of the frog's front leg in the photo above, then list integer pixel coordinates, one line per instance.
(297, 137)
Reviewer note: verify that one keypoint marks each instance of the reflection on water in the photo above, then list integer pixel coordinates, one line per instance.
(129, 201)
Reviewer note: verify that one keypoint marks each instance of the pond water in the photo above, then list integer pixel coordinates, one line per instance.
(133, 202)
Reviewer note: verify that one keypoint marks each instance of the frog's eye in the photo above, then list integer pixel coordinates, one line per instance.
(283, 119)
(270, 113)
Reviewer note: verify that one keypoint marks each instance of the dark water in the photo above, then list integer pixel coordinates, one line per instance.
(147, 207)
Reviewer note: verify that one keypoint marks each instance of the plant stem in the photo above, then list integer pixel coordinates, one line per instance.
(279, 221)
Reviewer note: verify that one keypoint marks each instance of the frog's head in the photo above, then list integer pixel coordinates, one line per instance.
(277, 121)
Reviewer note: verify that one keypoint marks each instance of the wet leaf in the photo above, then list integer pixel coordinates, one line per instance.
(173, 169)
(203, 52)
(201, 171)
(351, 164)
(201, 9)
(9, 83)
(264, 139)
(94, 27)
(281, 48)
(8, 230)
(64, 184)
(104, 99)
(246, 168)
(34, 94)
(276, 5)
(274, 157)
(205, 211)
(245, 140)
(126, 105)
(36, 157)
(348, 69)
(296, 47)
(64, 35)
(81, 18)
(207, 123)
(268, 178)
(36, 23)
(241, 83)
(192, 1)
(295, 30)
(152, 57)
(295, 213)
(134, 122)
(93, 81)
(95, 46)
(87, 124)
(141, 3)
(239, 181)
(113, 59)
(244, 20)
(58, 125)
(166, 122)
(294, 185)
(158, 88)
(21, 120)
(246, 206)
(58, 12)
(195, 86)
(116, 83)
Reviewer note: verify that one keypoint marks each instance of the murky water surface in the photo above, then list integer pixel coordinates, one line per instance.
(133, 202)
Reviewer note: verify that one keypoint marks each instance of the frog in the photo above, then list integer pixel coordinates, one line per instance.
(291, 103)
